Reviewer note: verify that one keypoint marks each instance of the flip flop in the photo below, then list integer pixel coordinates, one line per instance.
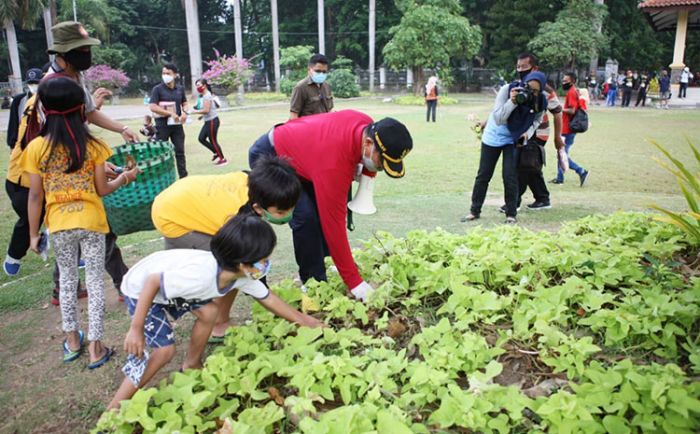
(103, 360)
(70, 355)
(216, 340)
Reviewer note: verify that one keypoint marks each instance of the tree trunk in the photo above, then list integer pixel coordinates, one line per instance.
(418, 80)
(593, 67)
(195, 47)
(372, 10)
(239, 42)
(275, 44)
(16, 77)
(48, 23)
(321, 28)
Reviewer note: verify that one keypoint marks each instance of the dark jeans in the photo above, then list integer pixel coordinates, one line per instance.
(487, 165)
(208, 137)
(535, 180)
(114, 263)
(432, 107)
(309, 244)
(19, 241)
(641, 98)
(626, 96)
(176, 134)
(682, 90)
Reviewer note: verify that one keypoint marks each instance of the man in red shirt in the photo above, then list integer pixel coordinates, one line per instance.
(572, 103)
(328, 151)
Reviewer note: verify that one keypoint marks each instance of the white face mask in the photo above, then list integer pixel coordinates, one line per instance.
(167, 78)
(33, 87)
(369, 163)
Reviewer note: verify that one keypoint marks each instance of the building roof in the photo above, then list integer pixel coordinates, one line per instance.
(663, 14)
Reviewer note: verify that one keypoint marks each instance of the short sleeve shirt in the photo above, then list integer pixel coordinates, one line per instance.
(192, 275)
(212, 107)
(571, 101)
(168, 99)
(309, 98)
(72, 201)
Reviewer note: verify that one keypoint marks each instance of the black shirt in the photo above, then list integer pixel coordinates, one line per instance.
(161, 93)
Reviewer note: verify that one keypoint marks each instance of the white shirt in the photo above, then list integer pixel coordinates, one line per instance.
(685, 75)
(185, 273)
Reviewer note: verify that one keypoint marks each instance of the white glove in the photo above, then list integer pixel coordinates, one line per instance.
(362, 291)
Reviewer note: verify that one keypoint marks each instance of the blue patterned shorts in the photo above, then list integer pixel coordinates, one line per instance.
(157, 330)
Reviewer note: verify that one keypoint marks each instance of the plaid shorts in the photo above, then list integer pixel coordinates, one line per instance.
(157, 330)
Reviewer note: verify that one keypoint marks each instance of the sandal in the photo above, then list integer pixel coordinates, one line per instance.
(104, 359)
(469, 218)
(70, 355)
(511, 221)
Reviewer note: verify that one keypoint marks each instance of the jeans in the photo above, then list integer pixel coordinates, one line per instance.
(682, 90)
(569, 142)
(612, 96)
(176, 134)
(626, 96)
(432, 107)
(487, 165)
(309, 243)
(208, 137)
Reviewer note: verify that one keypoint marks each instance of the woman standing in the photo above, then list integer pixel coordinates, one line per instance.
(431, 97)
(210, 129)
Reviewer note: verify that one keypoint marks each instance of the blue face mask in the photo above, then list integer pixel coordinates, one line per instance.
(319, 77)
(261, 270)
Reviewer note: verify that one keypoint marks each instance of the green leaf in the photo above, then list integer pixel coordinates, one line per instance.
(616, 425)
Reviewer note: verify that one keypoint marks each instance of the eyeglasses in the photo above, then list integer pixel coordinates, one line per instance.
(320, 71)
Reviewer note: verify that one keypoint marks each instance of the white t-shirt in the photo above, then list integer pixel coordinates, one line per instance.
(185, 273)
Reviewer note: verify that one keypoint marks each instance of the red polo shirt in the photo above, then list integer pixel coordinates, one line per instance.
(325, 150)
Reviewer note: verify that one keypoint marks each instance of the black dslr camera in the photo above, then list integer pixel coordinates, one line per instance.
(523, 95)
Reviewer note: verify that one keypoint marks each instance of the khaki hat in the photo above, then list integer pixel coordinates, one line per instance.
(68, 36)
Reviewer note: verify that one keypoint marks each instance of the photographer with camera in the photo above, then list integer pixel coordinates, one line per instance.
(517, 112)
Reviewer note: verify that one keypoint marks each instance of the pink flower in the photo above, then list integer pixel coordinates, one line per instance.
(104, 76)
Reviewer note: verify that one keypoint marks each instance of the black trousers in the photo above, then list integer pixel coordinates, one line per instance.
(641, 98)
(487, 165)
(432, 108)
(176, 134)
(626, 96)
(19, 240)
(534, 179)
(114, 263)
(682, 90)
(208, 136)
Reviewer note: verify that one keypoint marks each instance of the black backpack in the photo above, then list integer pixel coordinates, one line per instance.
(579, 122)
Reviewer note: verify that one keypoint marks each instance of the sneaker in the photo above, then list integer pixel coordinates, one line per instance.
(511, 220)
(55, 297)
(583, 177)
(503, 209)
(81, 263)
(11, 266)
(556, 181)
(221, 162)
(539, 205)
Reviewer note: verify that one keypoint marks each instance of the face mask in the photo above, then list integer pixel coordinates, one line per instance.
(201, 89)
(318, 77)
(261, 270)
(33, 88)
(522, 74)
(566, 86)
(268, 217)
(81, 60)
(369, 163)
(167, 78)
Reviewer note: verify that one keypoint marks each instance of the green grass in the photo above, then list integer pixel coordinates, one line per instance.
(434, 193)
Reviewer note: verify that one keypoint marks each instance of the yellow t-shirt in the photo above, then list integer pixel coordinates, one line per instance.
(199, 203)
(14, 170)
(71, 199)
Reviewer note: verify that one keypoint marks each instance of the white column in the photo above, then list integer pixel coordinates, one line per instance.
(372, 11)
(195, 47)
(16, 77)
(275, 44)
(239, 41)
(593, 66)
(382, 77)
(48, 23)
(321, 29)
(409, 78)
(679, 49)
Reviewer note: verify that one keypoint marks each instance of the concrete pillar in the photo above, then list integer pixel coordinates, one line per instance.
(16, 78)
(321, 28)
(372, 9)
(193, 42)
(679, 47)
(239, 42)
(275, 44)
(409, 78)
(382, 78)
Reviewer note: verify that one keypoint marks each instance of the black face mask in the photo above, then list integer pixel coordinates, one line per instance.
(522, 74)
(566, 86)
(81, 60)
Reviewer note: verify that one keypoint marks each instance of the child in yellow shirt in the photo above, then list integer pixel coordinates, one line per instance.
(66, 167)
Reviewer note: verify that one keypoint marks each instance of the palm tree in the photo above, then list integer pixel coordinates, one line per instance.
(26, 12)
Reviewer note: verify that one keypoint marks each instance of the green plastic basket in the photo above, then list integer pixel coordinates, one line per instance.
(129, 207)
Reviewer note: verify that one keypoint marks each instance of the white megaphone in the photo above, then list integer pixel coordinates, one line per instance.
(363, 203)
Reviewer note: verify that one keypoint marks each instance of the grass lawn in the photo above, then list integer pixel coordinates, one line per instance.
(40, 394)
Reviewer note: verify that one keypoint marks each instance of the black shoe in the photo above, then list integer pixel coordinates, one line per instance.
(556, 181)
(583, 177)
(503, 209)
(539, 205)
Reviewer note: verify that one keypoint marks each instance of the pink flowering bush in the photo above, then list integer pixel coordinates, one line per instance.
(104, 76)
(227, 71)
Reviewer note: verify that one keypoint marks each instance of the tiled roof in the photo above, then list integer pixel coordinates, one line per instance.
(654, 4)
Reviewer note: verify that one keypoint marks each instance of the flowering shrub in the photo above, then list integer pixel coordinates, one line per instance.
(227, 71)
(104, 76)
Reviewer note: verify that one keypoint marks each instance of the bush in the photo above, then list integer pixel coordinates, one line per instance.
(104, 76)
(344, 83)
(266, 96)
(287, 85)
(227, 71)
(419, 100)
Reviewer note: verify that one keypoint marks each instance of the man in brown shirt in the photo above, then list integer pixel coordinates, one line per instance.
(313, 94)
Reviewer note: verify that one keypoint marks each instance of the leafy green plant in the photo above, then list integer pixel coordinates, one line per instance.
(344, 83)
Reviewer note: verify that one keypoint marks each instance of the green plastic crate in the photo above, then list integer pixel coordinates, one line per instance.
(129, 207)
